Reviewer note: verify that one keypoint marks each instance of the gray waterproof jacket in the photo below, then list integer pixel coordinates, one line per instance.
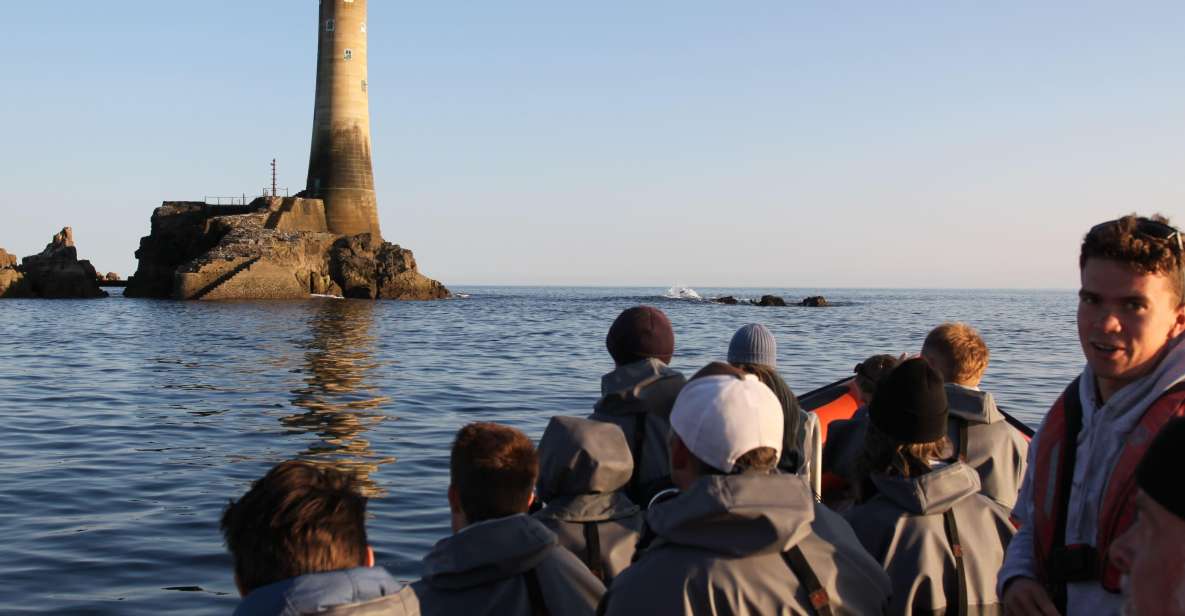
(510, 566)
(908, 527)
(638, 397)
(996, 450)
(720, 547)
(583, 465)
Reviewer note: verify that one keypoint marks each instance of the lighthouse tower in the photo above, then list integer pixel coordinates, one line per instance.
(340, 171)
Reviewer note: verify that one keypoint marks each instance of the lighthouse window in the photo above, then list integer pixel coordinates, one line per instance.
(363, 85)
(349, 54)
(329, 25)
(364, 27)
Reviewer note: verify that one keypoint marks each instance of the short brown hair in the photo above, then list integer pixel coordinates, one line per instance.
(957, 352)
(870, 371)
(493, 469)
(1123, 240)
(299, 518)
(759, 460)
(884, 455)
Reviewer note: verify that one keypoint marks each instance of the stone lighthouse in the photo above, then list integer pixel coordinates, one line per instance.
(340, 171)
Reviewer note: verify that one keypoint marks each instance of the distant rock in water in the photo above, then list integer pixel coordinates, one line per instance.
(815, 301)
(54, 273)
(727, 299)
(273, 248)
(770, 300)
(111, 277)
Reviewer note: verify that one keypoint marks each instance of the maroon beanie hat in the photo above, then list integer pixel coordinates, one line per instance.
(641, 332)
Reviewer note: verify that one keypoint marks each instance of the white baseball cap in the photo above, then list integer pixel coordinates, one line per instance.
(721, 418)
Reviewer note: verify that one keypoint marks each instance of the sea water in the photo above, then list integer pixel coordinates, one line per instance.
(127, 425)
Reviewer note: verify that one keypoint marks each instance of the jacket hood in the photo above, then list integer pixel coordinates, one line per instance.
(934, 492)
(737, 515)
(317, 592)
(582, 456)
(589, 508)
(487, 552)
(629, 380)
(972, 405)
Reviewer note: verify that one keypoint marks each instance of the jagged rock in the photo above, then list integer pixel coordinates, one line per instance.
(54, 273)
(111, 277)
(727, 299)
(273, 249)
(6, 259)
(770, 300)
(815, 301)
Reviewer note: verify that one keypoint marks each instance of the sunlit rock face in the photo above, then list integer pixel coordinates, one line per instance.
(54, 273)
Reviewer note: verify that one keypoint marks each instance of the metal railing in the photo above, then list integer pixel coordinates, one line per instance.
(243, 199)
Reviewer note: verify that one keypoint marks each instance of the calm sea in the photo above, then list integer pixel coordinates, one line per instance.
(128, 424)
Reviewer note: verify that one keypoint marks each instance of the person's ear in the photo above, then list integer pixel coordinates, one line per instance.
(1178, 322)
(530, 500)
(239, 585)
(454, 499)
(680, 455)
(369, 556)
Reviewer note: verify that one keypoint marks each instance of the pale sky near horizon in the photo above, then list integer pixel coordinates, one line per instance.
(768, 143)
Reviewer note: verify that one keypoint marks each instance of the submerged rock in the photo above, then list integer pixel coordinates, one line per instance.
(271, 249)
(54, 273)
(815, 301)
(770, 300)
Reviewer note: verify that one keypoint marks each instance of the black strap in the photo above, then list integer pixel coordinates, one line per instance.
(956, 548)
(635, 488)
(592, 550)
(962, 440)
(535, 594)
(819, 598)
(1072, 407)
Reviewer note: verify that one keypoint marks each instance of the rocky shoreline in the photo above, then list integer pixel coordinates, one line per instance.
(54, 273)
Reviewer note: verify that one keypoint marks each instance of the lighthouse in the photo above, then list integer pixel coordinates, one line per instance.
(340, 169)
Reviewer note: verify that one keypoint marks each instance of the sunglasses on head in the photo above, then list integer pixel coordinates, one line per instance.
(1150, 229)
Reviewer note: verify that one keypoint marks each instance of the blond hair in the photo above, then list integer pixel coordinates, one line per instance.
(957, 352)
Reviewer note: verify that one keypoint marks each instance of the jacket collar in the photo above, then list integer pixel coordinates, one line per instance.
(488, 551)
(627, 378)
(737, 515)
(972, 405)
(934, 492)
(315, 592)
(589, 507)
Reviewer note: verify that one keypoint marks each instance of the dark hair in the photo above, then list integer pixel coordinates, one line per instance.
(493, 469)
(870, 371)
(1123, 240)
(957, 352)
(884, 455)
(792, 424)
(299, 518)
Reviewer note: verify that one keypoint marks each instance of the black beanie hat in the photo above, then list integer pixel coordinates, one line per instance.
(1159, 473)
(641, 332)
(910, 403)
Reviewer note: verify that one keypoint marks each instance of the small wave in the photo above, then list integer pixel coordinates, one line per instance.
(461, 295)
(323, 296)
(682, 293)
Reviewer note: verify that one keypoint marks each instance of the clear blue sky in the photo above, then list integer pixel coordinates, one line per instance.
(698, 142)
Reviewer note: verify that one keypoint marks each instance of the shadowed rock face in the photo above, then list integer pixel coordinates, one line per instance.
(264, 253)
(54, 273)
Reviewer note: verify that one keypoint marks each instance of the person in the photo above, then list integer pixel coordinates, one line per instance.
(754, 350)
(978, 432)
(940, 540)
(1077, 493)
(1151, 554)
(298, 540)
(638, 394)
(499, 560)
(583, 465)
(737, 537)
(845, 437)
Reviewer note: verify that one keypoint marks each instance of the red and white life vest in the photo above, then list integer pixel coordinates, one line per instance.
(1053, 476)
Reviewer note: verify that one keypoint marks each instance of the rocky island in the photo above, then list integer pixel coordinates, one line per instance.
(54, 273)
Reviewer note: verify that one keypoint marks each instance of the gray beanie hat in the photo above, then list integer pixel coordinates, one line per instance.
(753, 344)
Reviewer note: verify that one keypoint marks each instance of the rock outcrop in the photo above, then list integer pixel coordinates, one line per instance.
(54, 273)
(815, 301)
(727, 300)
(271, 249)
(111, 277)
(770, 300)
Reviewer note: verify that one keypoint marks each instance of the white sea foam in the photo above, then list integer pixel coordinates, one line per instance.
(680, 292)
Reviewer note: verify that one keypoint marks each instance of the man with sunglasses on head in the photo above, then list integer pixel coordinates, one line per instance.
(1079, 490)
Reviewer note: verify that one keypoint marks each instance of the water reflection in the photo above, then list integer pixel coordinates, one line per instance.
(341, 402)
